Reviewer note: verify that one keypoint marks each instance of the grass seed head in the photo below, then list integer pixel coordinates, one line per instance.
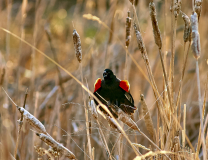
(91, 17)
(156, 31)
(127, 120)
(140, 146)
(40, 151)
(187, 28)
(77, 45)
(128, 29)
(196, 49)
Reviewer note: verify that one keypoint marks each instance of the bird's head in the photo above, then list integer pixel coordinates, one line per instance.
(108, 75)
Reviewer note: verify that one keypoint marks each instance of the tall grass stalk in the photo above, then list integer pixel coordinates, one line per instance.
(86, 114)
(20, 125)
(103, 137)
(200, 111)
(105, 143)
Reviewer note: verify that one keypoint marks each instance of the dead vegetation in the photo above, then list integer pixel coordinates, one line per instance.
(51, 53)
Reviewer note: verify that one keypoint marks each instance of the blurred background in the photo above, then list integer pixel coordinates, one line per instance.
(56, 99)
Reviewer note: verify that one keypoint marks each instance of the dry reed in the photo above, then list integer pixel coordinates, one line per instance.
(56, 146)
(78, 52)
(196, 49)
(158, 41)
(20, 125)
(105, 143)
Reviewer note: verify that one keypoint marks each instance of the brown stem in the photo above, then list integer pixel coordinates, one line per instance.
(86, 114)
(180, 86)
(20, 125)
(200, 110)
(165, 76)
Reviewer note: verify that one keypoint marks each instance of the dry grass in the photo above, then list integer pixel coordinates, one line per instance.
(149, 44)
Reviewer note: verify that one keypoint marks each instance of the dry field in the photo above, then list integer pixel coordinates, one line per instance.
(52, 52)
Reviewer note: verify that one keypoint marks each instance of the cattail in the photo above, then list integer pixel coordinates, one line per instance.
(124, 117)
(77, 45)
(112, 123)
(110, 120)
(177, 8)
(147, 117)
(32, 120)
(49, 141)
(139, 39)
(155, 27)
(187, 28)
(92, 107)
(127, 120)
(56, 146)
(196, 49)
(128, 29)
(198, 7)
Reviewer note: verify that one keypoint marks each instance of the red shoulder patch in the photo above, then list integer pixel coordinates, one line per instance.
(125, 85)
(97, 84)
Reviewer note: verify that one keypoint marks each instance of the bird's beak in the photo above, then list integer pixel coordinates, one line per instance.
(105, 74)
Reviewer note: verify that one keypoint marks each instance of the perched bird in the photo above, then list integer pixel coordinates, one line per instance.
(112, 90)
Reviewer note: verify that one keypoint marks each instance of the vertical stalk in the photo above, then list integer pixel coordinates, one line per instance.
(20, 125)
(86, 113)
(173, 35)
(9, 7)
(164, 43)
(200, 111)
(126, 63)
(105, 143)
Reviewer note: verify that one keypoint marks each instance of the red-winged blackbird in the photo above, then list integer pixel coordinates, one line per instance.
(113, 91)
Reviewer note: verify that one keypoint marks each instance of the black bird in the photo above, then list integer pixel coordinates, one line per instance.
(112, 90)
